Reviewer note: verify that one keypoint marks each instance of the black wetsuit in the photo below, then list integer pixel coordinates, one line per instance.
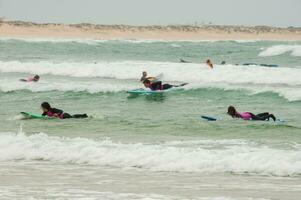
(62, 115)
(158, 86)
(263, 116)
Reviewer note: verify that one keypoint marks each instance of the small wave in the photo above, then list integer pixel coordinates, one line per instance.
(294, 50)
(285, 82)
(97, 41)
(237, 158)
(91, 87)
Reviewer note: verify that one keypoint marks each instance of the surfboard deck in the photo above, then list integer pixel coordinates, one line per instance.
(29, 115)
(143, 91)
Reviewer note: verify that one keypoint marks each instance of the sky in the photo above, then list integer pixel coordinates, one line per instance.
(280, 13)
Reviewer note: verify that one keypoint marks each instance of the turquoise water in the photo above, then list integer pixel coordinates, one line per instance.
(158, 139)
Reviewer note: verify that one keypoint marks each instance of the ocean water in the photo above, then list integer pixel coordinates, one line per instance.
(151, 146)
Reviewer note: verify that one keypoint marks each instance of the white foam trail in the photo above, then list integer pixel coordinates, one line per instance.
(294, 50)
(239, 158)
(59, 193)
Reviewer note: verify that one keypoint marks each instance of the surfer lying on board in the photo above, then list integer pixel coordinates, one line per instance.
(53, 112)
(250, 116)
(144, 77)
(159, 86)
(35, 78)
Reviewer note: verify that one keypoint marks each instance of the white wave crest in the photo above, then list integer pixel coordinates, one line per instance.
(294, 50)
(97, 41)
(66, 86)
(237, 158)
(58, 76)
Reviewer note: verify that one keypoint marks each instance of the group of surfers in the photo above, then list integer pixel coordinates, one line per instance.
(154, 84)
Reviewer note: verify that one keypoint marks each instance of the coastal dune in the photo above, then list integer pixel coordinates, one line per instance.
(20, 29)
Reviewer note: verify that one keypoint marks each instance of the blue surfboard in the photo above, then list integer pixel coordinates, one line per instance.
(143, 91)
(209, 118)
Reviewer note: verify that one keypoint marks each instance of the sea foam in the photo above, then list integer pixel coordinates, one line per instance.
(293, 50)
(240, 157)
(285, 82)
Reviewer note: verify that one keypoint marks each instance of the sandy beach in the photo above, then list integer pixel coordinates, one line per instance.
(19, 29)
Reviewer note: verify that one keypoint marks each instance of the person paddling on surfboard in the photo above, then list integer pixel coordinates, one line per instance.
(159, 86)
(250, 116)
(53, 112)
(145, 77)
(35, 78)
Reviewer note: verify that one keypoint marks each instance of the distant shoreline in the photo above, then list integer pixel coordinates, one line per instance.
(20, 29)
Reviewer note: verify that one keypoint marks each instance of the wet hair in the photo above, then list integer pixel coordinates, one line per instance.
(208, 61)
(36, 77)
(146, 81)
(232, 111)
(46, 105)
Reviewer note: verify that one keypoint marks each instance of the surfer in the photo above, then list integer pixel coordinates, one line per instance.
(53, 112)
(209, 63)
(145, 77)
(159, 86)
(250, 116)
(34, 78)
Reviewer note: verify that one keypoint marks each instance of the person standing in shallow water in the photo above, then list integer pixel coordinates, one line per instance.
(145, 77)
(250, 116)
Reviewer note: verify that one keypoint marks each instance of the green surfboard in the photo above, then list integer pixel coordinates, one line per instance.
(29, 115)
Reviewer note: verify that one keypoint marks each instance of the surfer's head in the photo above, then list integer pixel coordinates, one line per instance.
(36, 78)
(232, 111)
(144, 74)
(147, 83)
(45, 106)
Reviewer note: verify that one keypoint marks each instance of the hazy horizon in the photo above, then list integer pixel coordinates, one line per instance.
(141, 12)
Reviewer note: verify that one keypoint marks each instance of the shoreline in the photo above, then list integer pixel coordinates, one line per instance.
(29, 30)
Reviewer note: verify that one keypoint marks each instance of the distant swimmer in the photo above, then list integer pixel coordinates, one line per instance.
(209, 63)
(184, 61)
(35, 78)
(223, 62)
(145, 77)
(53, 112)
(159, 86)
(250, 116)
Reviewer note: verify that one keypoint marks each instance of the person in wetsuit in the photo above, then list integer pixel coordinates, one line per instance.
(250, 116)
(159, 86)
(53, 112)
(35, 78)
(156, 85)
